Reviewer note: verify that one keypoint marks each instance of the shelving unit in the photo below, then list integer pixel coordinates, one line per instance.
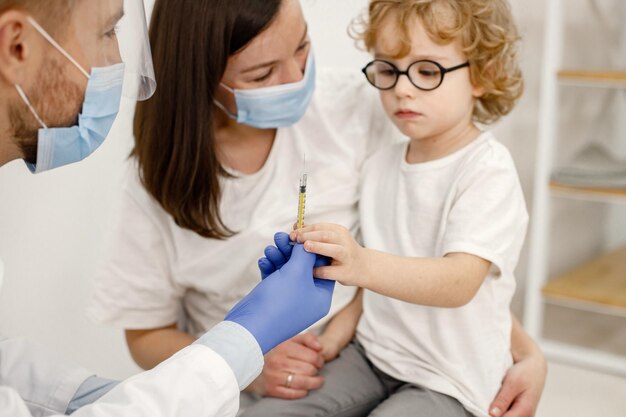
(598, 286)
(600, 194)
(609, 79)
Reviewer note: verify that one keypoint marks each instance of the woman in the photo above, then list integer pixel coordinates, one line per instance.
(218, 155)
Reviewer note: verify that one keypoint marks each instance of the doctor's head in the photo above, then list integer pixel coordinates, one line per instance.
(220, 64)
(47, 51)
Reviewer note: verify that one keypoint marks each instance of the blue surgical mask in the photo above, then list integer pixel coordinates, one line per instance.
(57, 147)
(277, 106)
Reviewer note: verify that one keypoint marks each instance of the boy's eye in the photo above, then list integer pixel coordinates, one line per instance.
(429, 72)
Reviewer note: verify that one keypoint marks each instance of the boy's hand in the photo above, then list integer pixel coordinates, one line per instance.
(336, 242)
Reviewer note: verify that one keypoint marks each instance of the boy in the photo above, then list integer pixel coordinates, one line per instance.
(443, 220)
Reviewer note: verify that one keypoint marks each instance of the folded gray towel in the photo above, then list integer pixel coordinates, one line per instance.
(593, 166)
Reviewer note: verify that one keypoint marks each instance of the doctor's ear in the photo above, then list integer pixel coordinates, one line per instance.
(16, 37)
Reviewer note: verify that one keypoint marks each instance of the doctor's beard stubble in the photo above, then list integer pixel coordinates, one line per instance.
(51, 95)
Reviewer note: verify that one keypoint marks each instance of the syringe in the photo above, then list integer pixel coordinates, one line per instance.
(302, 201)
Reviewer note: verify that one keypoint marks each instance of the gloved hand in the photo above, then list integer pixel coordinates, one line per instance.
(285, 303)
(277, 256)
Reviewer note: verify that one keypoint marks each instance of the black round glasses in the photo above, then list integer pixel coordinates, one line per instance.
(425, 74)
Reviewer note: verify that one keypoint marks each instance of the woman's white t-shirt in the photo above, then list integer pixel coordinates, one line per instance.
(468, 202)
(158, 273)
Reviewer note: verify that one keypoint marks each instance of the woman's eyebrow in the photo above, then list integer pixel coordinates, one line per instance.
(270, 63)
(259, 66)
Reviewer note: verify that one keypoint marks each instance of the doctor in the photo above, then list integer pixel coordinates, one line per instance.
(59, 58)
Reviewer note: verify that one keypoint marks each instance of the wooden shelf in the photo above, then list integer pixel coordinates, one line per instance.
(601, 281)
(590, 192)
(593, 78)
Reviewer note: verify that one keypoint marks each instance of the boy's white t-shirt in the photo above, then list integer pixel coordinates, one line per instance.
(470, 202)
(157, 272)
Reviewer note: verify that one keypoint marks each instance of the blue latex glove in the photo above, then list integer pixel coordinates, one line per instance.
(286, 302)
(277, 256)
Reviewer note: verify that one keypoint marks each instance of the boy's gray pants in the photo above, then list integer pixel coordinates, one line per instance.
(354, 387)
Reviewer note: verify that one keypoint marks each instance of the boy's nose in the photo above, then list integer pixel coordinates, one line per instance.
(404, 88)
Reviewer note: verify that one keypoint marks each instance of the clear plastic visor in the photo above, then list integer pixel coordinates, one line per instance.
(103, 33)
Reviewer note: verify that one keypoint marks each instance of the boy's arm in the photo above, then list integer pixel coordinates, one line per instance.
(341, 329)
(451, 281)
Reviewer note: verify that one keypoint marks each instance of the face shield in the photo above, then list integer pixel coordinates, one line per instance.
(110, 32)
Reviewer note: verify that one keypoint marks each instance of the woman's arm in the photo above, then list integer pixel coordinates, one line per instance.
(451, 281)
(151, 347)
(522, 345)
(341, 329)
(523, 384)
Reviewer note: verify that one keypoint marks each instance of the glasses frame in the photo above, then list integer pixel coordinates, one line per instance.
(399, 73)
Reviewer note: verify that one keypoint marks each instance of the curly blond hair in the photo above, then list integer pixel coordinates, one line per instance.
(488, 35)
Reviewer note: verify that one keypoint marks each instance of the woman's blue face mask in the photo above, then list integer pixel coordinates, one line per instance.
(277, 106)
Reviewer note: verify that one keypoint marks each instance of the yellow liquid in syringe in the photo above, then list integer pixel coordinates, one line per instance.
(302, 201)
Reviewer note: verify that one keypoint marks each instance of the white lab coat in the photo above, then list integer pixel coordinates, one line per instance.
(195, 382)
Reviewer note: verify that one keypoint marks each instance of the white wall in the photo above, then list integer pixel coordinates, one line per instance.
(52, 227)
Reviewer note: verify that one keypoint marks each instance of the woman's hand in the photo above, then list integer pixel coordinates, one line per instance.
(331, 347)
(291, 369)
(521, 388)
(336, 242)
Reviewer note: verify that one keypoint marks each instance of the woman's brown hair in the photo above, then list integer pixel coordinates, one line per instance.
(191, 42)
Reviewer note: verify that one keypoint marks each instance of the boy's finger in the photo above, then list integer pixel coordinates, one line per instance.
(322, 226)
(331, 250)
(322, 236)
(326, 273)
